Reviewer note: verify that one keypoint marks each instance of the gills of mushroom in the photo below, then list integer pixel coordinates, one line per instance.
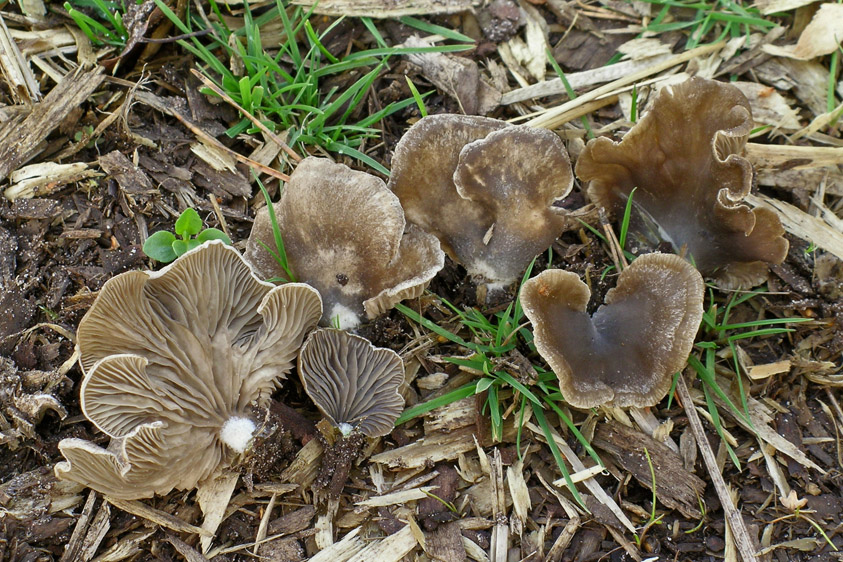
(344, 233)
(626, 353)
(486, 189)
(355, 386)
(174, 364)
(684, 158)
(353, 383)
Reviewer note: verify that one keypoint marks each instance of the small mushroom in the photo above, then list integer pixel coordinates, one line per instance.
(174, 363)
(684, 158)
(353, 383)
(344, 233)
(626, 353)
(485, 189)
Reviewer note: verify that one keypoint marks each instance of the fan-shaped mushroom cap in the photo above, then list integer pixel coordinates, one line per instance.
(173, 361)
(627, 352)
(353, 383)
(684, 158)
(344, 233)
(484, 188)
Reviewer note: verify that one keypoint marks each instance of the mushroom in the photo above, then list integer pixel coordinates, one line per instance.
(174, 364)
(355, 386)
(684, 158)
(344, 233)
(485, 189)
(626, 353)
(353, 383)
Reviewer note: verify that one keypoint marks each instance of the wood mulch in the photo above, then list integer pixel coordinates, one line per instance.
(121, 143)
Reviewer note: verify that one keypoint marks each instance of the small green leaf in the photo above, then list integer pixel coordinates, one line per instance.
(213, 234)
(159, 246)
(194, 243)
(180, 247)
(188, 224)
(484, 384)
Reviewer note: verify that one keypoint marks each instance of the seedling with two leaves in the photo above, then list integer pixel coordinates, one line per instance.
(164, 246)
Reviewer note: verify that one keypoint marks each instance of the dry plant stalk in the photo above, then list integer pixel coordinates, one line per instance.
(733, 516)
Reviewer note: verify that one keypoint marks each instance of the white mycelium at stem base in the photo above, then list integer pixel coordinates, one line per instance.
(236, 432)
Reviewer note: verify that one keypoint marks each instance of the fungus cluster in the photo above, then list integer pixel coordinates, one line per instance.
(177, 362)
(174, 364)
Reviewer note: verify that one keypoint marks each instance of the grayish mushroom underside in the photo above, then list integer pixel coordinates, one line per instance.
(169, 357)
(351, 381)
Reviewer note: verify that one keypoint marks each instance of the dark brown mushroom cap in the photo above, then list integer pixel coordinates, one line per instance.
(484, 188)
(353, 383)
(684, 158)
(344, 233)
(627, 352)
(171, 360)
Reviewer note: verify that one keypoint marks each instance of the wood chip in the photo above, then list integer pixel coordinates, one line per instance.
(20, 139)
(157, 516)
(429, 449)
(759, 372)
(398, 498)
(801, 224)
(768, 7)
(768, 106)
(675, 487)
(500, 532)
(213, 497)
(128, 176)
(820, 37)
(350, 545)
(391, 549)
(44, 178)
(519, 492)
(16, 73)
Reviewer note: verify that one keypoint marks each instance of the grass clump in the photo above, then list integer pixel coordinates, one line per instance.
(285, 87)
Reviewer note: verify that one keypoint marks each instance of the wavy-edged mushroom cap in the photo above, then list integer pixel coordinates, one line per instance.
(353, 383)
(684, 157)
(344, 233)
(486, 189)
(173, 361)
(627, 352)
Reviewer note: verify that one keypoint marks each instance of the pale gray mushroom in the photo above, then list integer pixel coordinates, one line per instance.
(685, 158)
(344, 233)
(626, 353)
(174, 363)
(353, 383)
(486, 189)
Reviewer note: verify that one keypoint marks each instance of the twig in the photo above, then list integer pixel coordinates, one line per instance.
(218, 212)
(614, 245)
(210, 85)
(733, 516)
